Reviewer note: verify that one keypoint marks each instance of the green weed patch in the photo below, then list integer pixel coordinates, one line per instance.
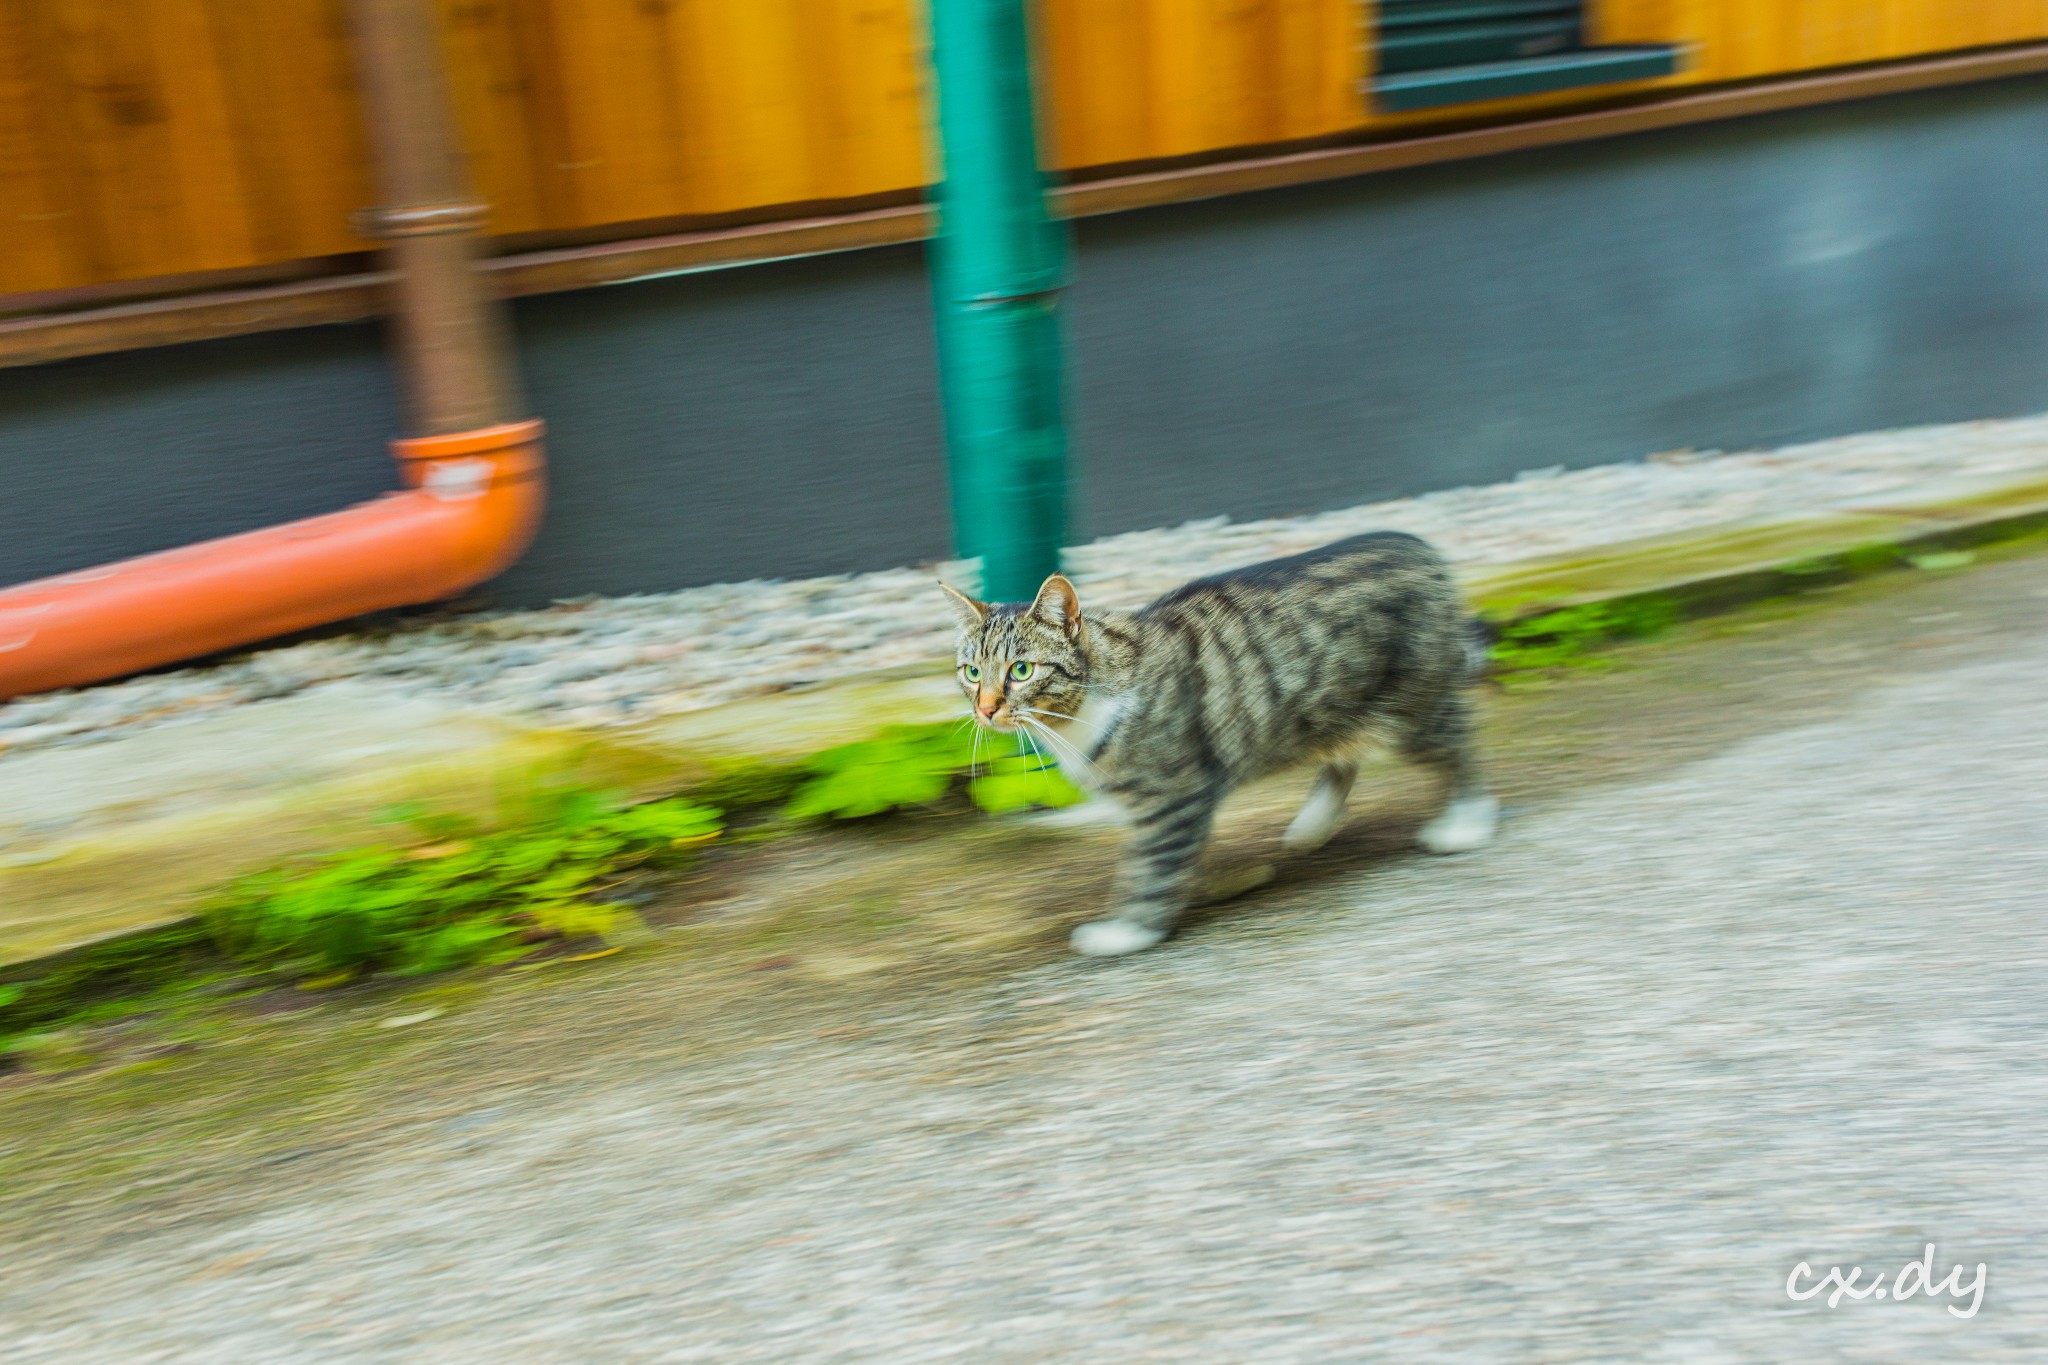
(919, 766)
(459, 895)
(448, 895)
(443, 892)
(1568, 638)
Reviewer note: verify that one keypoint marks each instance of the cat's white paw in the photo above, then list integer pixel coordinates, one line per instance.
(1319, 818)
(1114, 938)
(1467, 823)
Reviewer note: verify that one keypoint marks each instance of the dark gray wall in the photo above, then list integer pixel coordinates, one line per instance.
(122, 454)
(1734, 285)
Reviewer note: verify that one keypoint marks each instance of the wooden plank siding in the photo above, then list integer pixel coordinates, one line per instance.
(148, 139)
(1139, 80)
(1740, 39)
(142, 138)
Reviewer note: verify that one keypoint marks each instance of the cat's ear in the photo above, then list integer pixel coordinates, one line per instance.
(970, 612)
(1059, 605)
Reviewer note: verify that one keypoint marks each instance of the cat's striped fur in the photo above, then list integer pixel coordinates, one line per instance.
(1301, 660)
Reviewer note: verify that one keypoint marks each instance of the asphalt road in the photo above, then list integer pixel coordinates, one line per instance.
(1589, 1095)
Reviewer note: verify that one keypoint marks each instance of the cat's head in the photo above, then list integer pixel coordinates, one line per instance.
(1020, 658)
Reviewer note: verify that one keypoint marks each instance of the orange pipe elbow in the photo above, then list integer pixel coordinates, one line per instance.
(471, 504)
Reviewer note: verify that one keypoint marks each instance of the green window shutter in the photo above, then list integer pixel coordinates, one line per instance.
(1416, 35)
(1438, 52)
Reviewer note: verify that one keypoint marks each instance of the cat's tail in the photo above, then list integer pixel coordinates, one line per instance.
(1479, 639)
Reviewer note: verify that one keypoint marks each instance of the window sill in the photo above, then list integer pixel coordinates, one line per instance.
(1526, 76)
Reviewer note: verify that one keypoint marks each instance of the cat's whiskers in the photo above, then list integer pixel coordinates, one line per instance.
(974, 744)
(1056, 716)
(1079, 756)
(1065, 749)
(1025, 728)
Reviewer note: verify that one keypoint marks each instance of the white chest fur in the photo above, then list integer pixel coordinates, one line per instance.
(1087, 734)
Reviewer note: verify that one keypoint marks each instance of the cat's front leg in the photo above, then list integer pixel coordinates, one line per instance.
(1169, 830)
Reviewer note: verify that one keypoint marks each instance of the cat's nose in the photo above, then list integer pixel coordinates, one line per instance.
(986, 703)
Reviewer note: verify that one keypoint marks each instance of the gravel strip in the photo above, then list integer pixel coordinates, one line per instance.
(618, 661)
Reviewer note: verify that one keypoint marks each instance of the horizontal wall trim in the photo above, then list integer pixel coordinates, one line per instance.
(353, 297)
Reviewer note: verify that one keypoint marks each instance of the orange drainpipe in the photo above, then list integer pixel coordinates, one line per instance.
(475, 500)
(473, 478)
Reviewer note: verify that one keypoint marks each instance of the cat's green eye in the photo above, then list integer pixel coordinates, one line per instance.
(1020, 670)
(973, 672)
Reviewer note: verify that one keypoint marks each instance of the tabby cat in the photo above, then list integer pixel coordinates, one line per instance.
(1164, 711)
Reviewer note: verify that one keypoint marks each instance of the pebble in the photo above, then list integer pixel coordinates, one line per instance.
(624, 660)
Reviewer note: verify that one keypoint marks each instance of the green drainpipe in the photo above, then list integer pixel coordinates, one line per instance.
(998, 264)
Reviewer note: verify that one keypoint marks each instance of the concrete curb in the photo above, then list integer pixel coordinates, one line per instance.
(1711, 571)
(111, 839)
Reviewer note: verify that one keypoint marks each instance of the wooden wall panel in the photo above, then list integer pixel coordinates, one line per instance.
(751, 84)
(1096, 81)
(164, 137)
(145, 112)
(868, 71)
(508, 103)
(1133, 80)
(144, 138)
(581, 113)
(46, 237)
(1740, 39)
(628, 144)
(293, 128)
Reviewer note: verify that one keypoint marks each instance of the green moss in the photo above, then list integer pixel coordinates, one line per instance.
(1534, 641)
(1857, 561)
(744, 785)
(54, 1052)
(101, 980)
(1874, 558)
(1568, 637)
(1944, 560)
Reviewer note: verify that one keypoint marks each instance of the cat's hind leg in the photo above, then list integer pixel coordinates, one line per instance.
(1444, 742)
(1323, 812)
